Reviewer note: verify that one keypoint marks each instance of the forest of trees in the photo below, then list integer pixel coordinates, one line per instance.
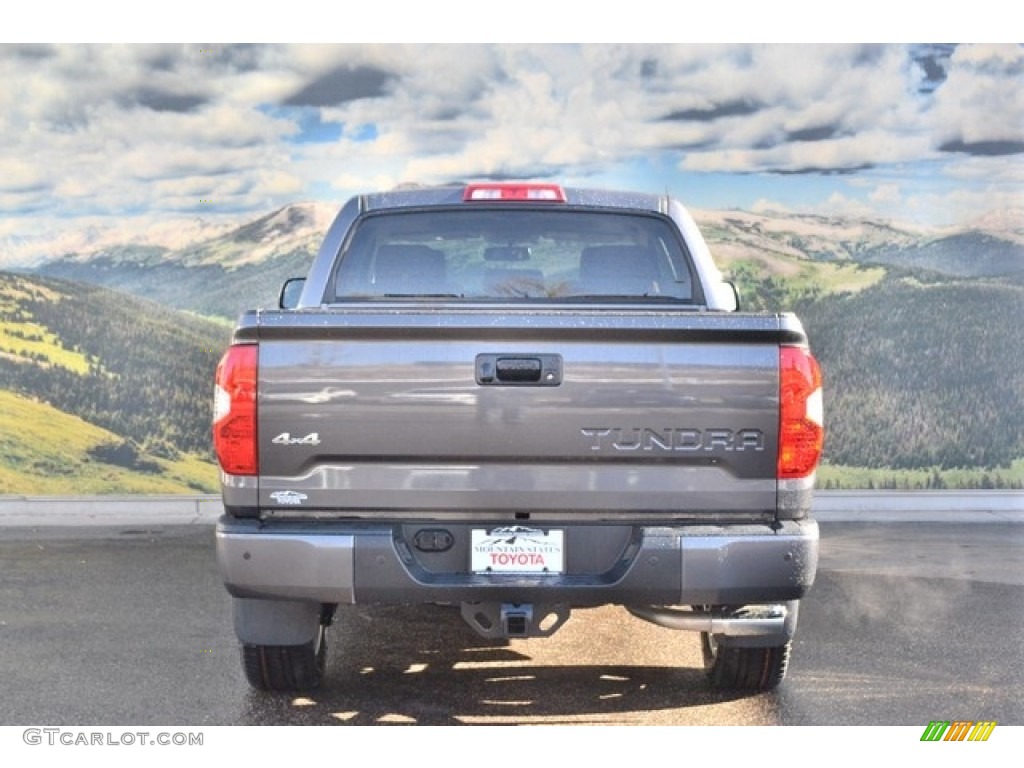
(919, 372)
(923, 375)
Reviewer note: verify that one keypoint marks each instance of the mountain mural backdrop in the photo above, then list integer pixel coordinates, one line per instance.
(107, 354)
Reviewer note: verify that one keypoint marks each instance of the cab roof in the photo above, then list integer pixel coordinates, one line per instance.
(510, 193)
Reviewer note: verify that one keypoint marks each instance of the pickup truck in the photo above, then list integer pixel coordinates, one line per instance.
(516, 400)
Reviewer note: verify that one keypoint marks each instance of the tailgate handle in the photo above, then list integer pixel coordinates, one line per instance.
(519, 370)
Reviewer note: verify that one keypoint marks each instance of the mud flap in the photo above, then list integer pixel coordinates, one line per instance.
(275, 622)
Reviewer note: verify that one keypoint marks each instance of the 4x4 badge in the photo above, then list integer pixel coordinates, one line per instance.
(285, 438)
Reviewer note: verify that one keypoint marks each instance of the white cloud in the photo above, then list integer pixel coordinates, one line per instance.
(766, 206)
(17, 175)
(963, 206)
(839, 204)
(1004, 171)
(886, 194)
(982, 99)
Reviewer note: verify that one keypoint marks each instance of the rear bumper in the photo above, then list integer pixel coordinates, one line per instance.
(346, 562)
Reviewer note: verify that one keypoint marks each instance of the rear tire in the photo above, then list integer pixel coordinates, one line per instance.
(747, 669)
(286, 667)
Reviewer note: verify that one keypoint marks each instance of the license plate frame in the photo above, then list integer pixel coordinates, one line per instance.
(517, 549)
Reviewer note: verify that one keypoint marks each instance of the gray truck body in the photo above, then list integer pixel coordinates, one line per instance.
(644, 434)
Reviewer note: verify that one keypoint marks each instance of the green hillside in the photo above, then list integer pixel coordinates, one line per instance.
(96, 382)
(45, 452)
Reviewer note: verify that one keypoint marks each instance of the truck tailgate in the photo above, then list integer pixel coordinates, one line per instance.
(430, 410)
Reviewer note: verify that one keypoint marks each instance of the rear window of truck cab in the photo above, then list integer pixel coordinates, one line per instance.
(527, 254)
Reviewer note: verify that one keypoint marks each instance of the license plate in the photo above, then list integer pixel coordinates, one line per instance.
(517, 549)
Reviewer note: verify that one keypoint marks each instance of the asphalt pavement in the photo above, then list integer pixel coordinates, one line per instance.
(124, 620)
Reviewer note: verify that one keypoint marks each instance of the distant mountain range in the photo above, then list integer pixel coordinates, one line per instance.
(993, 247)
(244, 267)
(220, 275)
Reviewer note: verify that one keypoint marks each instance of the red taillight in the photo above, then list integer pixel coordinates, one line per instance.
(540, 193)
(234, 411)
(801, 418)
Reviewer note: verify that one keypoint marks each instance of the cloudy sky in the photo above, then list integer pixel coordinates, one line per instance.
(102, 135)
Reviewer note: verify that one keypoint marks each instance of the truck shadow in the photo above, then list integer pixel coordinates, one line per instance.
(424, 666)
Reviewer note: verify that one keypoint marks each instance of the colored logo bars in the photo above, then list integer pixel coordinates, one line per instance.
(958, 730)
